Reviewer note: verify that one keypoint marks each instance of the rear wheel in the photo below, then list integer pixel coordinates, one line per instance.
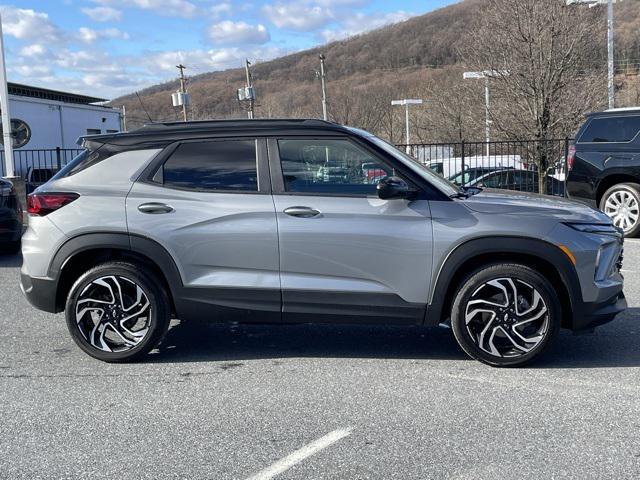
(505, 315)
(622, 203)
(117, 312)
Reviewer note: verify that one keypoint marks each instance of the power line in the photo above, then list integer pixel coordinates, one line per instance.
(143, 107)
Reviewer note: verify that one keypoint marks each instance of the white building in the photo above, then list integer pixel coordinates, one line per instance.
(47, 119)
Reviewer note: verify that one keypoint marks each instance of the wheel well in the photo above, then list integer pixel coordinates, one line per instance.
(532, 261)
(608, 182)
(87, 259)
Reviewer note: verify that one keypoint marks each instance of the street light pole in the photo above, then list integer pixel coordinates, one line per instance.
(487, 119)
(406, 102)
(486, 75)
(610, 79)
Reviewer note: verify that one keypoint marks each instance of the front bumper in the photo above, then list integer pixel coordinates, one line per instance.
(40, 292)
(592, 315)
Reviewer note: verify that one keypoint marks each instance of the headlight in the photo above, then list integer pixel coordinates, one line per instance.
(597, 228)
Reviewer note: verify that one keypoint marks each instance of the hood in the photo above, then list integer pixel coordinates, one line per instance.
(521, 203)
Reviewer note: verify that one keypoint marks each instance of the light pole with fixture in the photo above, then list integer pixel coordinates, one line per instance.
(406, 102)
(486, 75)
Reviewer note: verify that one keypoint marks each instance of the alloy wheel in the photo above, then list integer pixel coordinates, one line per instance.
(622, 206)
(506, 317)
(113, 313)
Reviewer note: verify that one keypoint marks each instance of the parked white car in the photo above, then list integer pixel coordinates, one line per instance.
(448, 167)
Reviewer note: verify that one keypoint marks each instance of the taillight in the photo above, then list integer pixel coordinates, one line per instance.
(571, 157)
(42, 204)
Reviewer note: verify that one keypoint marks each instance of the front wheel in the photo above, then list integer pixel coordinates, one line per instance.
(117, 312)
(505, 315)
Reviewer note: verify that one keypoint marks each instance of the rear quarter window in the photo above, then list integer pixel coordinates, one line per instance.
(611, 130)
(227, 165)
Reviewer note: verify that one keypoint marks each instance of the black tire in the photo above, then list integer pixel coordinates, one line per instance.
(156, 320)
(505, 321)
(628, 188)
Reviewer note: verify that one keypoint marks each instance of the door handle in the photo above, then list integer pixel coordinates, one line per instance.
(154, 208)
(302, 212)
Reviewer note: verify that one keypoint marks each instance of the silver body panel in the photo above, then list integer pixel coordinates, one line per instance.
(216, 239)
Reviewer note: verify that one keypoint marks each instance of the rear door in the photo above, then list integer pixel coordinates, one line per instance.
(344, 251)
(209, 204)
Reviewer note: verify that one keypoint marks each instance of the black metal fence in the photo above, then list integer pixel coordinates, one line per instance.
(512, 165)
(26, 160)
(38, 166)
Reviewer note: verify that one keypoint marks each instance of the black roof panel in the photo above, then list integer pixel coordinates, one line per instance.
(173, 131)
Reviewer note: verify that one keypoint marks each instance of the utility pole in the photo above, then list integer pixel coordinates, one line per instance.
(6, 115)
(610, 82)
(124, 118)
(183, 90)
(406, 102)
(249, 87)
(323, 81)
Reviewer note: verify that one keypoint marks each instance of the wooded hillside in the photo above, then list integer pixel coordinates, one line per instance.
(421, 57)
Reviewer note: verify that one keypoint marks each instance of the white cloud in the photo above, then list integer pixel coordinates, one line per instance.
(27, 24)
(180, 8)
(34, 51)
(163, 64)
(31, 70)
(360, 22)
(103, 14)
(89, 35)
(228, 32)
(220, 9)
(300, 16)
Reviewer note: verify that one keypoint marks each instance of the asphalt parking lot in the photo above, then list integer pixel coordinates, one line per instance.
(237, 402)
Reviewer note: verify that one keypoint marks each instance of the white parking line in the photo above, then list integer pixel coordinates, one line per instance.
(299, 455)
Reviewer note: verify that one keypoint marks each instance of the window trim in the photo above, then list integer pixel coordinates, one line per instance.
(588, 124)
(262, 170)
(277, 176)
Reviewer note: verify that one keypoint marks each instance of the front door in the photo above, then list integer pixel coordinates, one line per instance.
(209, 205)
(343, 251)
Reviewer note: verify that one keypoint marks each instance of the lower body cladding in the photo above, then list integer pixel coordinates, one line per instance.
(265, 306)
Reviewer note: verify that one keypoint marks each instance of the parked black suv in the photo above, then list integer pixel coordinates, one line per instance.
(10, 218)
(604, 166)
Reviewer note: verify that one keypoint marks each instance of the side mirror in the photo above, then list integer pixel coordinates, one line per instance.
(390, 188)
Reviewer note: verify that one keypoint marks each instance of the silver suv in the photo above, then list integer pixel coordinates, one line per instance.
(283, 221)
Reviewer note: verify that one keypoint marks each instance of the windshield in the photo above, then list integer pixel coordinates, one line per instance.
(439, 182)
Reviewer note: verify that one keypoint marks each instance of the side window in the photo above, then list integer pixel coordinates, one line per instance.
(525, 177)
(330, 166)
(611, 129)
(496, 179)
(228, 165)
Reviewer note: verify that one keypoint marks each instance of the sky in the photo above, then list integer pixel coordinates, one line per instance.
(108, 48)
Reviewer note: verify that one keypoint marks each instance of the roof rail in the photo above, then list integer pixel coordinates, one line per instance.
(196, 124)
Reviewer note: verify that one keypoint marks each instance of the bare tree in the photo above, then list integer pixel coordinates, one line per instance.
(541, 53)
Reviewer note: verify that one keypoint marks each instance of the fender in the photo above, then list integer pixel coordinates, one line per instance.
(467, 250)
(119, 241)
